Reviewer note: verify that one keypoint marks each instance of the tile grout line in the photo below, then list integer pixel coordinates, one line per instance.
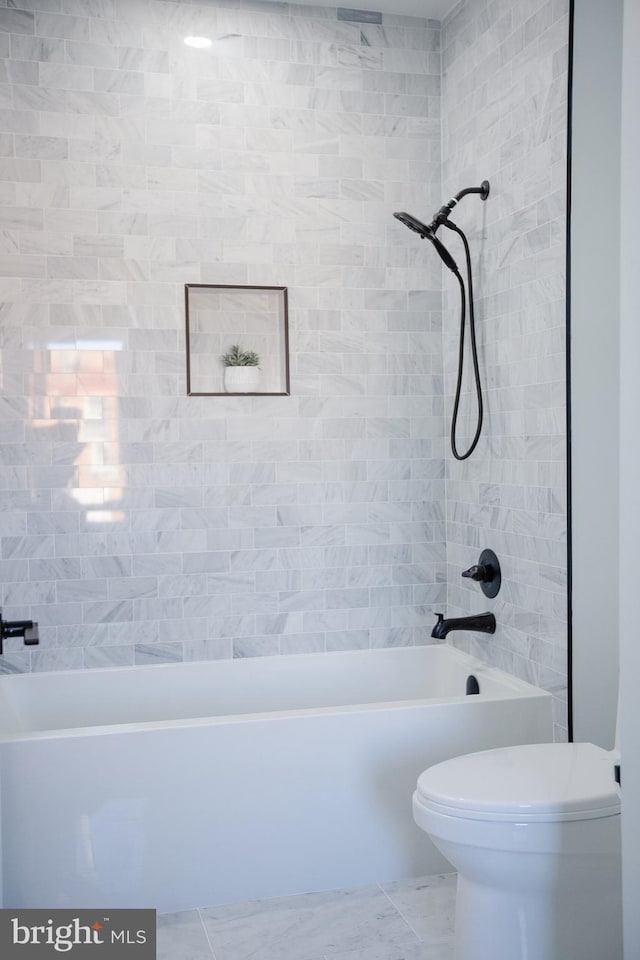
(399, 911)
(206, 933)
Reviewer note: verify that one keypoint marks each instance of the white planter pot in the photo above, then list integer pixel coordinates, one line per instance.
(241, 379)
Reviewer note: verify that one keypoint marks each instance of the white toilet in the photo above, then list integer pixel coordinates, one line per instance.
(534, 833)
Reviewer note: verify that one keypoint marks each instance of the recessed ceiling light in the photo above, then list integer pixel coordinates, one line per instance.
(199, 42)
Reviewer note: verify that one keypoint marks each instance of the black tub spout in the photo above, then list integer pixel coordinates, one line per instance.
(483, 622)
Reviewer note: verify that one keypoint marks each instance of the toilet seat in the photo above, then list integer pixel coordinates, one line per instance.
(546, 782)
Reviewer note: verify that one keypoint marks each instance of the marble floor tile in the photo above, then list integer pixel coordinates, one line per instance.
(404, 920)
(427, 904)
(443, 950)
(181, 936)
(306, 927)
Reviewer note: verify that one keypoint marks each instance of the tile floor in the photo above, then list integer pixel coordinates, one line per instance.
(404, 920)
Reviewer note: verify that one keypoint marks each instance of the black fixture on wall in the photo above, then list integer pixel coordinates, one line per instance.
(487, 573)
(481, 622)
(26, 629)
(428, 232)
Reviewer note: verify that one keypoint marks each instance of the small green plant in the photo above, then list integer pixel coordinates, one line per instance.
(237, 357)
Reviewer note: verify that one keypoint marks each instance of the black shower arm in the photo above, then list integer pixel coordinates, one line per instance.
(444, 211)
(483, 190)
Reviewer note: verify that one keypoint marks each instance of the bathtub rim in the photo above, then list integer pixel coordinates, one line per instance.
(238, 718)
(513, 688)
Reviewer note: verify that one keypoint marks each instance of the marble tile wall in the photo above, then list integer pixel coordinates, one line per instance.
(141, 525)
(504, 102)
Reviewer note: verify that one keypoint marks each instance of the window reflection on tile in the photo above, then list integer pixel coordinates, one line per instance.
(81, 383)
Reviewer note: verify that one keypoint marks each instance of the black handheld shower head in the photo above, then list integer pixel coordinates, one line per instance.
(424, 231)
(441, 219)
(445, 256)
(412, 223)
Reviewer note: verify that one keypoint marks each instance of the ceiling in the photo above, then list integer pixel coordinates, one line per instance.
(430, 9)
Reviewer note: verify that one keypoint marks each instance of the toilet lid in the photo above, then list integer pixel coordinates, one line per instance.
(544, 781)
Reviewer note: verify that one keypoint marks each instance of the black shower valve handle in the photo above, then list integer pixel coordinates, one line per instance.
(486, 572)
(480, 573)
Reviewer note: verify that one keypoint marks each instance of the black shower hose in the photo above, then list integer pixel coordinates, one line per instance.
(474, 351)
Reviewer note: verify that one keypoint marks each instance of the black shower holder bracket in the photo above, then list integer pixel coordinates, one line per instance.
(487, 573)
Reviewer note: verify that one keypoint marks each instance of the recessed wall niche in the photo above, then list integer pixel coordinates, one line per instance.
(224, 319)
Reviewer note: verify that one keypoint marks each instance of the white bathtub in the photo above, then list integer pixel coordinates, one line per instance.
(185, 785)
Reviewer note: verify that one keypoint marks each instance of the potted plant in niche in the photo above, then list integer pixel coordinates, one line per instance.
(241, 370)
